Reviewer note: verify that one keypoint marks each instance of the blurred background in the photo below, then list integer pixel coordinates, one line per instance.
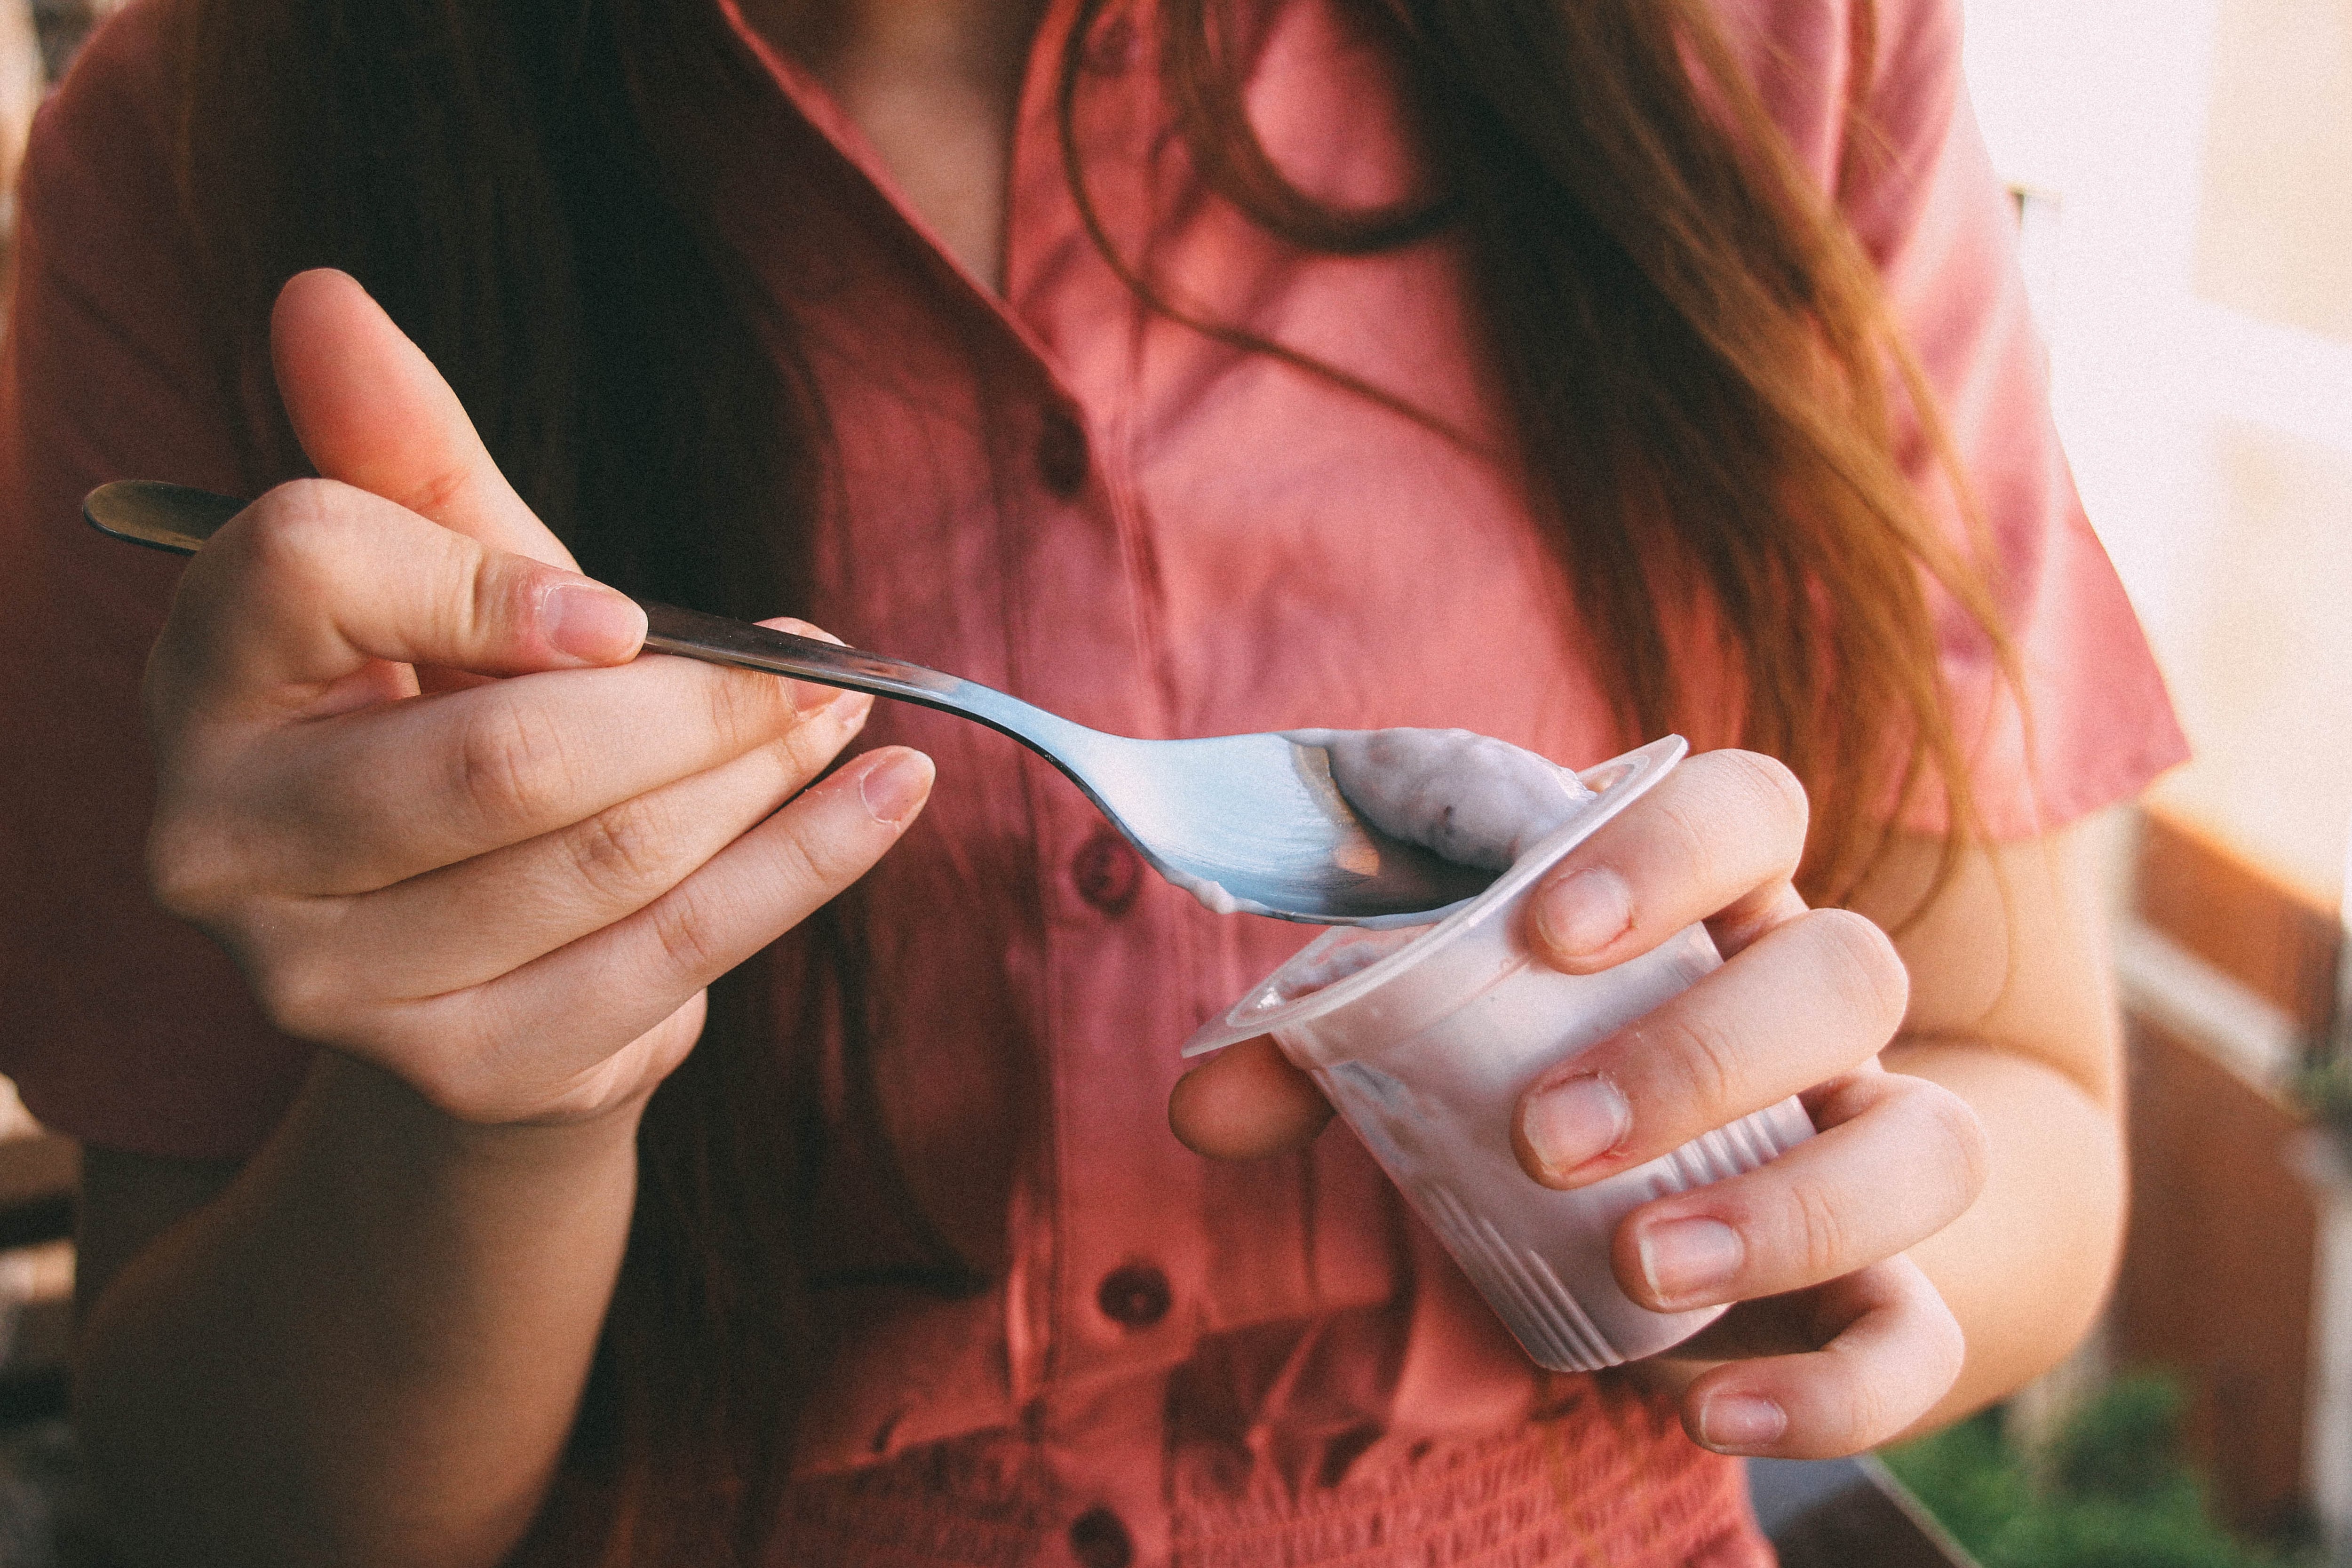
(2183, 175)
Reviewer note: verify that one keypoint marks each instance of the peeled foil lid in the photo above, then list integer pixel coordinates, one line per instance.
(1348, 963)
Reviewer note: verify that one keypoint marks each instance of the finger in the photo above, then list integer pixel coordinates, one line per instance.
(369, 410)
(1905, 1159)
(316, 581)
(1889, 1350)
(468, 923)
(1808, 1001)
(1716, 841)
(374, 799)
(497, 1053)
(1246, 1102)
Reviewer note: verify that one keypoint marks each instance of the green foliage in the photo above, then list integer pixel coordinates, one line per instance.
(2324, 1089)
(2110, 1492)
(2123, 1446)
(1970, 1479)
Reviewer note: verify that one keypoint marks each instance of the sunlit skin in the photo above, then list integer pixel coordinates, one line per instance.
(933, 86)
(426, 1246)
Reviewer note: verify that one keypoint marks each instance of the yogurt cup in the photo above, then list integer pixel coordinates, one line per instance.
(1425, 1037)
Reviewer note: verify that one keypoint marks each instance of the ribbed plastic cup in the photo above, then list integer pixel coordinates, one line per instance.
(1425, 1037)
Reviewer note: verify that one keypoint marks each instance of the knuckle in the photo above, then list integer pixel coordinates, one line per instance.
(811, 744)
(1701, 1055)
(747, 711)
(302, 505)
(1690, 825)
(681, 930)
(803, 862)
(620, 852)
(291, 533)
(1770, 784)
(513, 764)
(1860, 967)
(1867, 1419)
(499, 599)
(1817, 1229)
(1769, 793)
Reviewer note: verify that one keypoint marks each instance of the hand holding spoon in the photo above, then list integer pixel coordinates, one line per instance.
(1249, 824)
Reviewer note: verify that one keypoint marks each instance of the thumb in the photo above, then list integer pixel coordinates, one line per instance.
(1246, 1102)
(371, 411)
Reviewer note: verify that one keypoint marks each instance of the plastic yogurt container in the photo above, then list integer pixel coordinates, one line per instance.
(1425, 1037)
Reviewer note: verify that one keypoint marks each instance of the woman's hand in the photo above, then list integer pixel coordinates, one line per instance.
(510, 893)
(1837, 1341)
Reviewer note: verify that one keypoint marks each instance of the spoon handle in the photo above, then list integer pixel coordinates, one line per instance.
(179, 519)
(716, 639)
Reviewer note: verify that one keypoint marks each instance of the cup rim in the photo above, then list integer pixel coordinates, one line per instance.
(1616, 785)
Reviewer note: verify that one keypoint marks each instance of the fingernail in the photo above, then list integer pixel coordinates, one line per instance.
(1584, 912)
(590, 622)
(1577, 1121)
(801, 629)
(894, 787)
(1734, 1423)
(1682, 1258)
(841, 705)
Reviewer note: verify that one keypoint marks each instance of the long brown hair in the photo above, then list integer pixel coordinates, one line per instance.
(1705, 389)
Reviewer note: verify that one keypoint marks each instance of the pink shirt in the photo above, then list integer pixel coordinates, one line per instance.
(1061, 494)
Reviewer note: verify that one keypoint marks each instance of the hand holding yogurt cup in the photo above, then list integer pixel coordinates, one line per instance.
(1835, 1341)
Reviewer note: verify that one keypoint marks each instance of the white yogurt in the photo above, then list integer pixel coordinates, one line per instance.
(1471, 799)
(1213, 896)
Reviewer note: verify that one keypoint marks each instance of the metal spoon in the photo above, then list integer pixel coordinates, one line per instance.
(1255, 817)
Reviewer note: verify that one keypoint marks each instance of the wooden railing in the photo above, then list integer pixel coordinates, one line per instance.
(2231, 977)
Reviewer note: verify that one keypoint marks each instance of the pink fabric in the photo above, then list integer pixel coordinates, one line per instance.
(1597, 1478)
(1060, 494)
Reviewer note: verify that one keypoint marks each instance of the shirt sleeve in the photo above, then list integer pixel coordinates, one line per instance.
(123, 1027)
(2090, 723)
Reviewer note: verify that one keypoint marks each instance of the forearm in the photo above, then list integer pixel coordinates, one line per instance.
(370, 1348)
(2027, 1267)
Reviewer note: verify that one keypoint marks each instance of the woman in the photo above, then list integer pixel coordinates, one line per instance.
(1532, 369)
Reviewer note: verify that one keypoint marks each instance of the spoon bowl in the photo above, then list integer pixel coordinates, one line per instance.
(1248, 823)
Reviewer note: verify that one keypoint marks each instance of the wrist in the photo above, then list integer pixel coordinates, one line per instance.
(356, 1094)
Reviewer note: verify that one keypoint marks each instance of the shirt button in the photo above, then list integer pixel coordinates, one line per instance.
(1107, 871)
(1062, 454)
(1135, 1295)
(1099, 1539)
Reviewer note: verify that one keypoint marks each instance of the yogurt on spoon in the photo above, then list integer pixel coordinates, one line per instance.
(1471, 799)
(1467, 798)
